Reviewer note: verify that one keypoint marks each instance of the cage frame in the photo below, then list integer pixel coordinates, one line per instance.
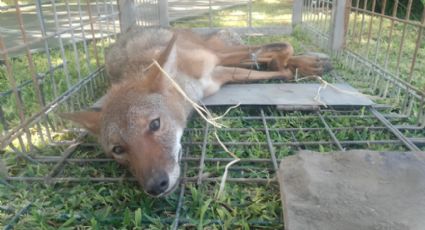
(387, 83)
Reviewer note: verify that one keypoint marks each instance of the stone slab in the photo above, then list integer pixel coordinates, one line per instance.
(353, 190)
(287, 95)
(291, 96)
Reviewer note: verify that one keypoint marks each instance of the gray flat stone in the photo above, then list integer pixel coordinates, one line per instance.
(287, 95)
(353, 190)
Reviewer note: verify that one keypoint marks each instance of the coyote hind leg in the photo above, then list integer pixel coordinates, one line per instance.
(275, 55)
(310, 64)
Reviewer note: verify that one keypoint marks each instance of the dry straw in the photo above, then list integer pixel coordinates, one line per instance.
(323, 85)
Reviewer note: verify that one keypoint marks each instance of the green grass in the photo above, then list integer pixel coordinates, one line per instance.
(124, 206)
(264, 13)
(52, 85)
(88, 205)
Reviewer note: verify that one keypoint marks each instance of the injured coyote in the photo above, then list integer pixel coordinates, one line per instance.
(142, 119)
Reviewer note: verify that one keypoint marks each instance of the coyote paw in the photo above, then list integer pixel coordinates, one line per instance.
(310, 64)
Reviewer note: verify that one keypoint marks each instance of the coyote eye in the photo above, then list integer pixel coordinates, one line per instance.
(118, 150)
(154, 125)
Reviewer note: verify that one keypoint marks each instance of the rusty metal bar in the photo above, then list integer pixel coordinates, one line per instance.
(269, 143)
(65, 155)
(22, 154)
(390, 39)
(407, 142)
(417, 46)
(421, 113)
(369, 142)
(294, 139)
(369, 34)
(92, 33)
(337, 143)
(114, 19)
(184, 159)
(403, 35)
(40, 16)
(209, 14)
(74, 46)
(381, 19)
(362, 22)
(99, 23)
(203, 153)
(61, 47)
(377, 128)
(302, 117)
(18, 101)
(250, 13)
(356, 13)
(31, 66)
(132, 179)
(18, 215)
(176, 222)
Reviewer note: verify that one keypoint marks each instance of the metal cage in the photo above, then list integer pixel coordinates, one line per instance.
(52, 61)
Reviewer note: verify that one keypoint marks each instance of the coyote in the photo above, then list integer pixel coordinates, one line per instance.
(143, 116)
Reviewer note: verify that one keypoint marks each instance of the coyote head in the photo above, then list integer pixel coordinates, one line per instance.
(140, 125)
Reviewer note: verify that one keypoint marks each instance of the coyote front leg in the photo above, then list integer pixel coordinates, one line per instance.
(222, 75)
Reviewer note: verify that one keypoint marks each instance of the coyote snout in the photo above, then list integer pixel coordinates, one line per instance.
(142, 119)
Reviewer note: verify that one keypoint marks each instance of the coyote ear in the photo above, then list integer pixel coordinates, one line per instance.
(89, 120)
(168, 51)
(167, 60)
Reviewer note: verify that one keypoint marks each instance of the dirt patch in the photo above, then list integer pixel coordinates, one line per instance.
(353, 190)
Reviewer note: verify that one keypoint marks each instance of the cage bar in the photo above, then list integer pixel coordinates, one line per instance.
(361, 39)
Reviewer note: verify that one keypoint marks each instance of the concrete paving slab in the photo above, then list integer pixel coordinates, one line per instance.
(79, 20)
(287, 95)
(180, 9)
(283, 95)
(353, 190)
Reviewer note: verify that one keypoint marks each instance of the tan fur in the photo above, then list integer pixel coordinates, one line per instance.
(140, 97)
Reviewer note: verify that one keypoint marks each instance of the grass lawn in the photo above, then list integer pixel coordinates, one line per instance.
(122, 205)
(264, 13)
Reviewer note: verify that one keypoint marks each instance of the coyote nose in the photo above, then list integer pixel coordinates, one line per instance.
(158, 183)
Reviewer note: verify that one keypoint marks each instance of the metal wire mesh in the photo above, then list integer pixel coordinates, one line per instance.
(147, 12)
(47, 57)
(238, 14)
(262, 138)
(376, 54)
(71, 77)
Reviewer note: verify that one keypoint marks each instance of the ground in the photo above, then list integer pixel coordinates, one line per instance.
(122, 205)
